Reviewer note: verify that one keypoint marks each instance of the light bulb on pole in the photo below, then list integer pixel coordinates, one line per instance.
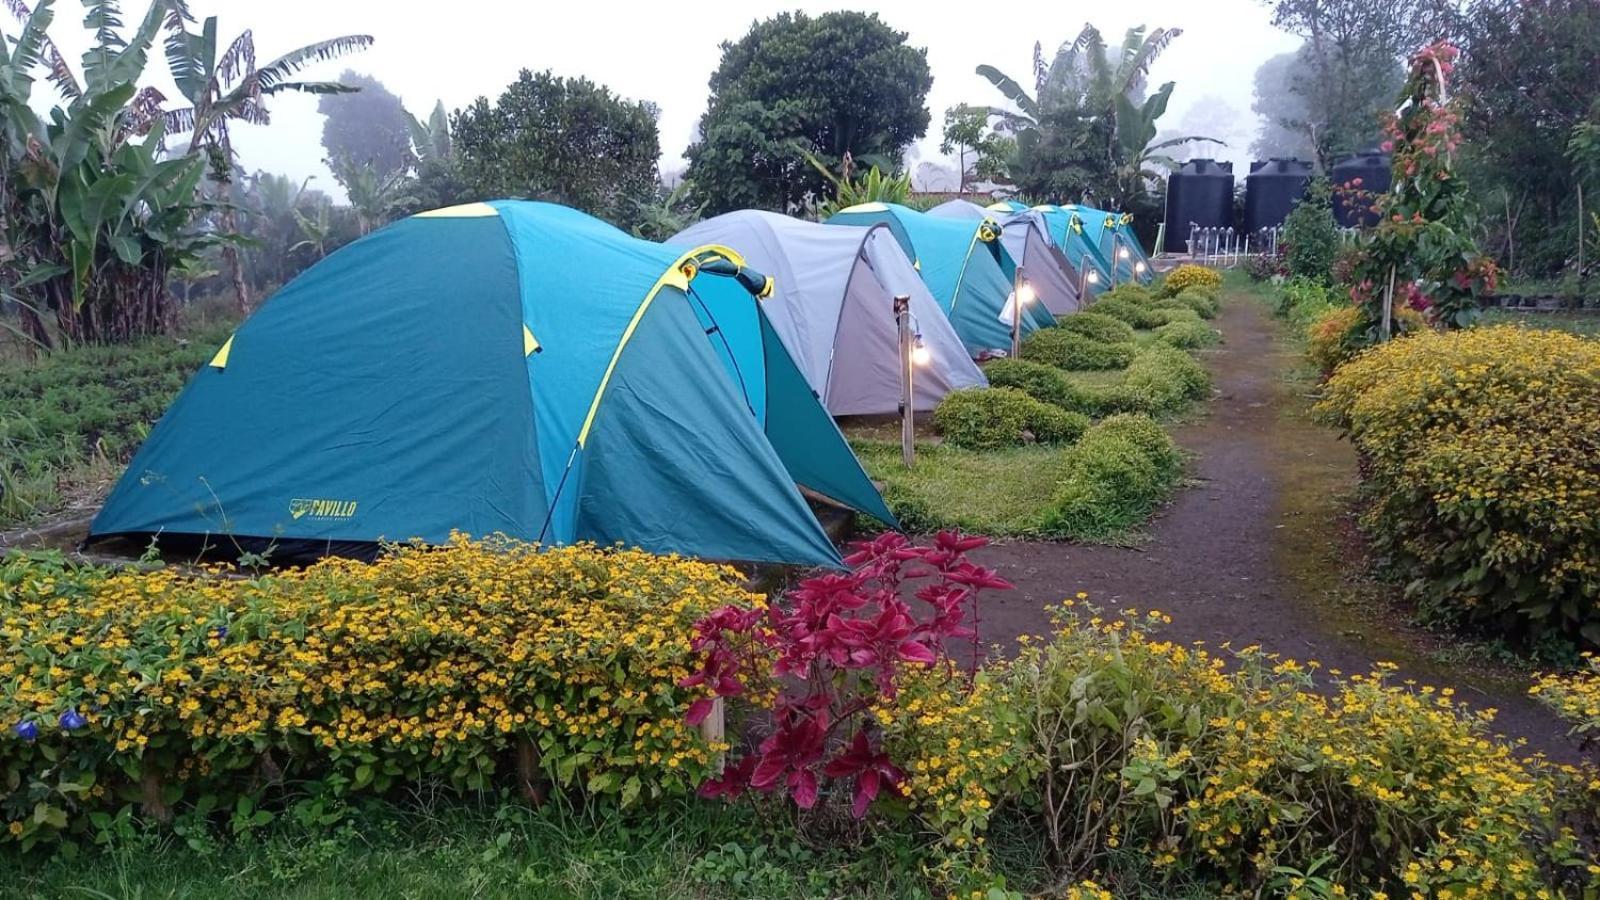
(910, 342)
(1021, 294)
(1139, 267)
(920, 354)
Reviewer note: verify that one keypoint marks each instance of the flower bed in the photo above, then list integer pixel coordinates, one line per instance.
(472, 666)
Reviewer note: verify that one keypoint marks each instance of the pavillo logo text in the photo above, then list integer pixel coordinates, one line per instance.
(322, 509)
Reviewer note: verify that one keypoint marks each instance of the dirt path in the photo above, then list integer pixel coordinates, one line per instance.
(1257, 549)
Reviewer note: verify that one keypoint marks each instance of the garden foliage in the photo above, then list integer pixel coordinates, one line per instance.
(1187, 335)
(1574, 696)
(1069, 349)
(1480, 460)
(1136, 309)
(1310, 234)
(1098, 326)
(997, 417)
(1113, 478)
(1042, 382)
(469, 667)
(1188, 276)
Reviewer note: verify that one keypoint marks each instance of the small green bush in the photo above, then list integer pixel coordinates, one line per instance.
(1070, 350)
(1148, 435)
(1041, 382)
(1137, 313)
(1112, 479)
(998, 417)
(1311, 236)
(1168, 315)
(1201, 300)
(1132, 293)
(1187, 335)
(1160, 379)
(1100, 327)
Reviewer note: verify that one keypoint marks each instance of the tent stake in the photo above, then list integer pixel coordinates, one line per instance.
(908, 426)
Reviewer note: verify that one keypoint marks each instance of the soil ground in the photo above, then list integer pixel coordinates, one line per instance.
(1259, 548)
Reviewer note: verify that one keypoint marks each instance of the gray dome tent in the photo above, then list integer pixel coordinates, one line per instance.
(1025, 237)
(833, 307)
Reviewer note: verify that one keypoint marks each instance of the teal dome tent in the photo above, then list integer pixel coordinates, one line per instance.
(964, 266)
(1068, 227)
(509, 367)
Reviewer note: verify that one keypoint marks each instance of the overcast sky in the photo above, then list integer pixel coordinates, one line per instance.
(664, 52)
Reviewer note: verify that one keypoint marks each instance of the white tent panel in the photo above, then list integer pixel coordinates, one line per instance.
(833, 308)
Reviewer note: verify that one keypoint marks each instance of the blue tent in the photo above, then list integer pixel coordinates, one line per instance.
(509, 367)
(1068, 227)
(1111, 234)
(963, 264)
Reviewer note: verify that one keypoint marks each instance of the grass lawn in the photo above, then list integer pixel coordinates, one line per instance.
(77, 415)
(1001, 492)
(1587, 324)
(682, 849)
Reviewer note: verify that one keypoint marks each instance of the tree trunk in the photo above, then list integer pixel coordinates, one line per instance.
(230, 255)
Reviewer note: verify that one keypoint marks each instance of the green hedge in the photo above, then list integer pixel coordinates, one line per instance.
(1126, 306)
(1201, 300)
(1067, 349)
(1187, 335)
(1160, 379)
(1098, 326)
(1041, 382)
(1000, 417)
(1113, 478)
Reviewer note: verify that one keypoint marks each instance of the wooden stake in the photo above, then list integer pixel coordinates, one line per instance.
(1388, 307)
(714, 728)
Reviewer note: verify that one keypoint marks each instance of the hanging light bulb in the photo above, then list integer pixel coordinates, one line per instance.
(1025, 294)
(1123, 253)
(1094, 277)
(1139, 267)
(920, 354)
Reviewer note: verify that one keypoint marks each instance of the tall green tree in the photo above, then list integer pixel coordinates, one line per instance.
(94, 217)
(1352, 64)
(1282, 110)
(979, 151)
(1530, 74)
(1089, 126)
(223, 84)
(368, 124)
(563, 139)
(837, 83)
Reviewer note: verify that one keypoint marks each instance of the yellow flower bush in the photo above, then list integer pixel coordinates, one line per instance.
(1190, 275)
(960, 746)
(1335, 335)
(1480, 451)
(1575, 697)
(1243, 772)
(465, 665)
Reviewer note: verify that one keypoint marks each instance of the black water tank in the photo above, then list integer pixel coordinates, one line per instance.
(1271, 191)
(1199, 193)
(1357, 180)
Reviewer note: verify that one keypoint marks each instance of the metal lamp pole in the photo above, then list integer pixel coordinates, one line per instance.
(1086, 277)
(908, 350)
(1019, 283)
(1116, 239)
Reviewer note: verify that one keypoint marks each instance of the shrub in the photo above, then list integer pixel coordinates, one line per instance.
(825, 663)
(1066, 349)
(1139, 314)
(1132, 293)
(1160, 379)
(1575, 697)
(1301, 300)
(1310, 234)
(1263, 266)
(1327, 337)
(993, 418)
(1187, 335)
(1483, 473)
(1201, 301)
(1098, 326)
(464, 667)
(1166, 315)
(1040, 381)
(1190, 275)
(1339, 333)
(1112, 479)
(1247, 775)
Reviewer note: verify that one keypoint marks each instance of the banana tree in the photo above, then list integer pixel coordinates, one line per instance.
(226, 86)
(93, 220)
(1139, 160)
(873, 187)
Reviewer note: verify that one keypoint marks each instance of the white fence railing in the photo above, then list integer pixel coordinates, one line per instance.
(1227, 246)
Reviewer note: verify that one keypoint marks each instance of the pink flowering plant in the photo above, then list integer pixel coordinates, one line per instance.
(1424, 234)
(836, 648)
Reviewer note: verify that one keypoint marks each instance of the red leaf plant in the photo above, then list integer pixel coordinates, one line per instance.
(832, 651)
